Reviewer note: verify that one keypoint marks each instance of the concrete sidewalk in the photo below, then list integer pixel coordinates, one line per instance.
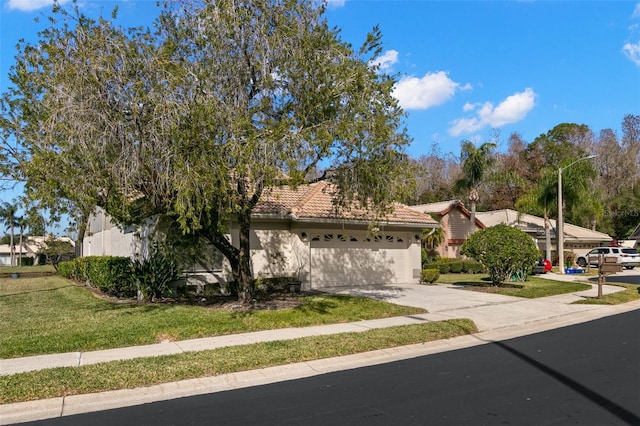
(497, 317)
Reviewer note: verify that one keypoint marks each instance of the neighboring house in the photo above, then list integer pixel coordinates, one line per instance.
(577, 239)
(31, 247)
(297, 233)
(455, 221)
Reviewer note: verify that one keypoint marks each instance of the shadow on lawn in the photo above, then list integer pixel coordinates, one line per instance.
(35, 291)
(486, 283)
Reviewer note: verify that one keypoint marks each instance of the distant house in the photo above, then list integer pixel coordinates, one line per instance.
(455, 220)
(31, 248)
(577, 239)
(297, 232)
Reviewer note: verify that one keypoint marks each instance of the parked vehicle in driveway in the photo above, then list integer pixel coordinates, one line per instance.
(627, 257)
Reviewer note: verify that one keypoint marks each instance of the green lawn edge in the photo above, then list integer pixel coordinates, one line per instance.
(58, 382)
(532, 288)
(48, 315)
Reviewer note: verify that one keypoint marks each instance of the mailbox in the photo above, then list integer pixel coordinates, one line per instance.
(610, 267)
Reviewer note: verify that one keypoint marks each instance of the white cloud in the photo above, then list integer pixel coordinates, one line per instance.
(632, 52)
(387, 60)
(31, 5)
(422, 93)
(636, 11)
(513, 109)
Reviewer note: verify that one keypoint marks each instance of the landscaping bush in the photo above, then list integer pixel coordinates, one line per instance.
(429, 276)
(26, 261)
(472, 267)
(66, 268)
(153, 275)
(503, 250)
(443, 268)
(112, 275)
(455, 267)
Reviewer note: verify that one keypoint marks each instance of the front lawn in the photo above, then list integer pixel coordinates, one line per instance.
(533, 288)
(52, 315)
(631, 293)
(129, 374)
(38, 269)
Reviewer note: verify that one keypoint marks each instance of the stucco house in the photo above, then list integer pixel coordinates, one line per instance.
(577, 239)
(297, 232)
(31, 247)
(455, 220)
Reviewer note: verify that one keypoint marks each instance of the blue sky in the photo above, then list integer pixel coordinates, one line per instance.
(467, 68)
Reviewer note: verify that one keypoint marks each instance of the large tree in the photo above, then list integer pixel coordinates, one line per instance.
(476, 162)
(197, 118)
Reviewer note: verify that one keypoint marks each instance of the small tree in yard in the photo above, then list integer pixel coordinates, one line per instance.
(57, 250)
(502, 250)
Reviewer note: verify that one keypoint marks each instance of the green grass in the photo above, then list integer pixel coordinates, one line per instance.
(631, 293)
(52, 315)
(533, 288)
(25, 269)
(149, 371)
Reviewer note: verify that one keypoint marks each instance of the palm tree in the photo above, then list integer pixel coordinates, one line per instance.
(432, 238)
(542, 199)
(8, 215)
(23, 223)
(475, 163)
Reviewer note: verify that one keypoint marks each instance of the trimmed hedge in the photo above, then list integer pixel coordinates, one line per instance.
(447, 265)
(429, 276)
(113, 275)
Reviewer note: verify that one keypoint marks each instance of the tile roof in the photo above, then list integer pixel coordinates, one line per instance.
(441, 207)
(530, 223)
(315, 201)
(444, 207)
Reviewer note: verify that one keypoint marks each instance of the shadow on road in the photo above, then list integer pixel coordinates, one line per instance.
(620, 412)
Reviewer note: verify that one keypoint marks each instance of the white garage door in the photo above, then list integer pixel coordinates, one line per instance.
(339, 260)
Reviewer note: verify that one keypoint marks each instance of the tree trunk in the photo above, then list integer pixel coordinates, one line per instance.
(547, 236)
(13, 248)
(20, 258)
(243, 272)
(473, 197)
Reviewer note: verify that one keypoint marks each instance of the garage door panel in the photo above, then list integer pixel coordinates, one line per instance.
(337, 267)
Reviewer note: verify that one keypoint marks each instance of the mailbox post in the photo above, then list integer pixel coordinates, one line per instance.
(606, 265)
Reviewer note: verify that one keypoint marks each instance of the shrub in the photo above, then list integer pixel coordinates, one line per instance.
(502, 250)
(112, 275)
(153, 275)
(443, 268)
(455, 267)
(26, 261)
(65, 269)
(472, 267)
(429, 276)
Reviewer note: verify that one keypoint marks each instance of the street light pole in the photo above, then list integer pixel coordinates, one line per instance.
(560, 240)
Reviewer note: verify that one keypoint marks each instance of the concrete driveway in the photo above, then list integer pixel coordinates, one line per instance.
(488, 311)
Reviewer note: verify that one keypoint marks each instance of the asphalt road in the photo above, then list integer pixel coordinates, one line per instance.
(587, 374)
(628, 276)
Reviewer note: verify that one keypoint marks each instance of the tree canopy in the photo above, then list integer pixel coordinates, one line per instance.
(196, 118)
